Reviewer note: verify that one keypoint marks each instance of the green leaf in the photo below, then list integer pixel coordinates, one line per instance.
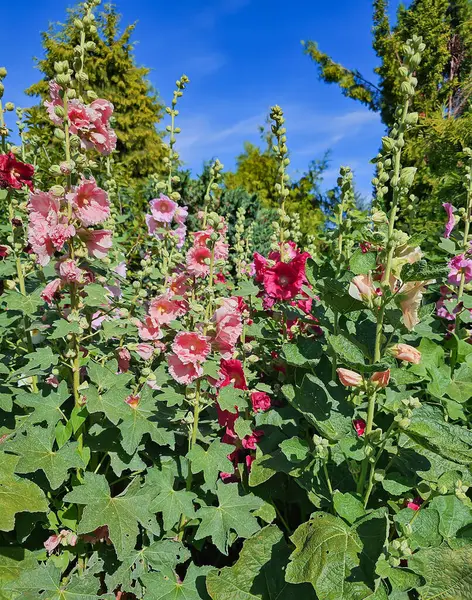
(346, 350)
(423, 270)
(447, 573)
(453, 515)
(348, 506)
(172, 503)
(397, 484)
(121, 513)
(27, 305)
(448, 246)
(246, 289)
(47, 408)
(304, 353)
(36, 452)
(38, 362)
(229, 397)
(13, 561)
(258, 572)
(295, 449)
(111, 403)
(63, 328)
(166, 585)
(362, 262)
(327, 552)
(106, 377)
(17, 495)
(421, 527)
(212, 461)
(233, 513)
(97, 295)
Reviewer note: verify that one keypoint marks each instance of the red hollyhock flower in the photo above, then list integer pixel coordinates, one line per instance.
(284, 280)
(231, 371)
(359, 426)
(15, 174)
(260, 401)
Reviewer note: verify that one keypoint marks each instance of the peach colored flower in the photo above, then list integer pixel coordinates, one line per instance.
(198, 261)
(381, 378)
(362, 288)
(163, 309)
(132, 400)
(407, 353)
(191, 347)
(149, 330)
(181, 372)
(349, 378)
(410, 301)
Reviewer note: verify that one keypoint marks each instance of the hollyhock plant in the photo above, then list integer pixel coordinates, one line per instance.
(183, 373)
(228, 327)
(362, 288)
(124, 359)
(89, 202)
(260, 401)
(163, 209)
(459, 267)
(451, 222)
(163, 309)
(15, 174)
(145, 351)
(191, 347)
(198, 261)
(284, 281)
(70, 272)
(51, 290)
(415, 504)
(231, 372)
(407, 353)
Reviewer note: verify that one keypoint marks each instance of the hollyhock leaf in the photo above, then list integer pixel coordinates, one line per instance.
(229, 397)
(453, 516)
(47, 407)
(258, 573)
(171, 396)
(111, 403)
(211, 368)
(323, 406)
(27, 304)
(347, 350)
(35, 452)
(305, 353)
(423, 270)
(17, 495)
(63, 328)
(13, 560)
(334, 294)
(165, 553)
(242, 427)
(166, 585)
(401, 579)
(120, 462)
(246, 289)
(173, 504)
(447, 572)
(448, 246)
(97, 295)
(120, 513)
(348, 506)
(295, 449)
(328, 551)
(38, 362)
(421, 527)
(117, 328)
(233, 513)
(460, 388)
(212, 461)
(142, 419)
(266, 513)
(362, 263)
(106, 376)
(397, 484)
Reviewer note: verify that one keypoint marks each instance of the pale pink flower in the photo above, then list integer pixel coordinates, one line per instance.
(191, 347)
(180, 233)
(78, 116)
(362, 288)
(181, 214)
(181, 372)
(90, 203)
(198, 261)
(410, 302)
(52, 380)
(179, 284)
(97, 241)
(124, 358)
(228, 327)
(145, 351)
(349, 378)
(149, 330)
(52, 543)
(121, 268)
(451, 222)
(163, 309)
(457, 266)
(381, 378)
(407, 353)
(99, 134)
(55, 100)
(43, 203)
(221, 250)
(50, 291)
(70, 272)
(65, 537)
(152, 224)
(163, 209)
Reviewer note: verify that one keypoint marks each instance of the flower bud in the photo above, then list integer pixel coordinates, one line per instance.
(349, 378)
(406, 352)
(57, 191)
(380, 379)
(3, 72)
(9, 106)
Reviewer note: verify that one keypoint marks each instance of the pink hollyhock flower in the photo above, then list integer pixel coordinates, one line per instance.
(451, 222)
(152, 224)
(180, 233)
(78, 116)
(406, 353)
(50, 291)
(97, 241)
(181, 372)
(163, 309)
(284, 280)
(4, 251)
(178, 285)
(70, 272)
(55, 100)
(359, 426)
(181, 214)
(249, 460)
(349, 378)
(65, 537)
(289, 252)
(457, 266)
(381, 378)
(121, 268)
(198, 261)
(362, 288)
(149, 330)
(260, 265)
(145, 351)
(124, 358)
(15, 174)
(231, 371)
(260, 401)
(132, 400)
(90, 203)
(201, 238)
(191, 347)
(441, 309)
(163, 209)
(415, 504)
(52, 543)
(220, 278)
(44, 204)
(250, 441)
(410, 301)
(99, 134)
(228, 327)
(221, 250)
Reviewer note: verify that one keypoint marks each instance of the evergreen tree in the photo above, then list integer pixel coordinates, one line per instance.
(114, 75)
(443, 93)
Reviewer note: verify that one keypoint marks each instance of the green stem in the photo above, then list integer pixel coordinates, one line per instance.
(368, 430)
(465, 238)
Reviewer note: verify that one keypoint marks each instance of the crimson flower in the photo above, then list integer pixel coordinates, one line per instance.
(15, 174)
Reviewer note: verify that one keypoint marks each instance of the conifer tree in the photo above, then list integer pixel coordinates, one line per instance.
(113, 74)
(443, 93)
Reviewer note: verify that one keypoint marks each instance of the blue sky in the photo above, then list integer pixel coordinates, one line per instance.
(242, 56)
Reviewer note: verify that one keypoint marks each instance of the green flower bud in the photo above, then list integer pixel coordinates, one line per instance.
(3, 72)
(9, 106)
(59, 134)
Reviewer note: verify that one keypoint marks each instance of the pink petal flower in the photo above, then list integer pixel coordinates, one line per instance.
(124, 358)
(50, 291)
(97, 241)
(250, 441)
(149, 330)
(359, 426)
(145, 351)
(407, 353)
(260, 401)
(198, 261)
(181, 214)
(458, 266)
(362, 288)
(381, 378)
(70, 272)
(132, 400)
(231, 372)
(163, 209)
(89, 202)
(415, 504)
(163, 309)
(228, 327)
(451, 222)
(349, 378)
(181, 372)
(191, 347)
(410, 302)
